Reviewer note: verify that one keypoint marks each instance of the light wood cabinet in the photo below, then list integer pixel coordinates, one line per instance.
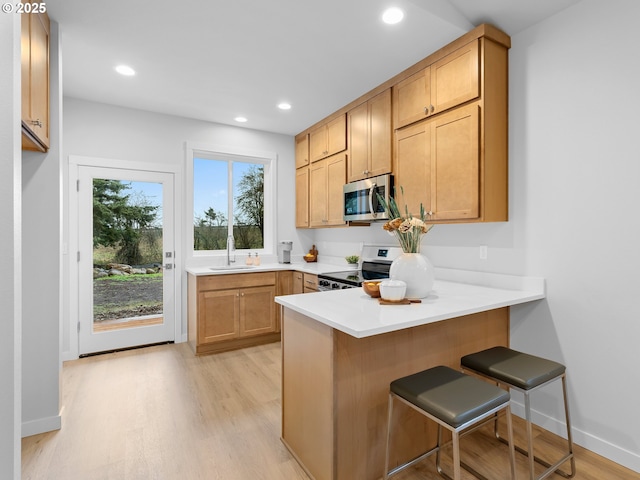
(449, 144)
(284, 286)
(326, 201)
(449, 82)
(302, 150)
(231, 311)
(302, 197)
(328, 139)
(456, 163)
(438, 165)
(35, 81)
(370, 138)
(298, 282)
(310, 283)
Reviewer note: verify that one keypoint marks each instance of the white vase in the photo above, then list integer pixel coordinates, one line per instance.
(416, 271)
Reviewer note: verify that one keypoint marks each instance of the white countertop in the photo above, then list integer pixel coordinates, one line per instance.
(313, 267)
(353, 312)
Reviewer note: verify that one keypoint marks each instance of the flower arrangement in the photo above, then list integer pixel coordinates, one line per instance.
(405, 227)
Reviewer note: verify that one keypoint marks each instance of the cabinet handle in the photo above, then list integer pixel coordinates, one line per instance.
(432, 108)
(429, 213)
(426, 110)
(36, 123)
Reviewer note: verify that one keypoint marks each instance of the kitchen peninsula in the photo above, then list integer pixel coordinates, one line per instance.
(341, 349)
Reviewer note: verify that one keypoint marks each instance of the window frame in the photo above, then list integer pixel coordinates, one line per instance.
(232, 154)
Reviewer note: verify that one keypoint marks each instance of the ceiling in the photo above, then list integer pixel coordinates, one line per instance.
(215, 60)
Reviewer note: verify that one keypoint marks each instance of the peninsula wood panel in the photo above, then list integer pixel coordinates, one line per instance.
(352, 377)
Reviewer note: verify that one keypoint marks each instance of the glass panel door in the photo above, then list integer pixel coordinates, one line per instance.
(127, 282)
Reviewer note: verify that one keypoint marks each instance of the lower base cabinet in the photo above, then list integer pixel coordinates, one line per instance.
(231, 311)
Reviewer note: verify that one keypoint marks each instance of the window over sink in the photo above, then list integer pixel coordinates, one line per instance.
(232, 193)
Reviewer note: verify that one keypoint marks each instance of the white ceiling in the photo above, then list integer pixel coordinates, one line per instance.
(214, 60)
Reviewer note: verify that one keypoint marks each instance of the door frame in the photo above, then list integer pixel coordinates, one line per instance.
(75, 162)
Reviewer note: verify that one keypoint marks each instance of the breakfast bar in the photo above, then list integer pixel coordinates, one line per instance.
(341, 349)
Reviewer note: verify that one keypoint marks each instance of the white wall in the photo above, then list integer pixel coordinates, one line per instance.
(98, 130)
(575, 153)
(10, 245)
(41, 230)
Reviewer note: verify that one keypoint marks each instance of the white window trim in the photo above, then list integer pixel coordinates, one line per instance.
(222, 152)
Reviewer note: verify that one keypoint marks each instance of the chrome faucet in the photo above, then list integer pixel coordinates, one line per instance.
(231, 247)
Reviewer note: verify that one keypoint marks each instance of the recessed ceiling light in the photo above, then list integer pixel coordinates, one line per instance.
(392, 15)
(240, 119)
(284, 106)
(125, 70)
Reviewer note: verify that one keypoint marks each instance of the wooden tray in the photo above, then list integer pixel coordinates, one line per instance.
(404, 301)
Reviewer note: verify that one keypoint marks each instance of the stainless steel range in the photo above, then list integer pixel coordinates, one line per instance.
(376, 262)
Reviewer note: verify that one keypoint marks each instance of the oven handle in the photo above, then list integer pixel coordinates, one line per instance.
(373, 187)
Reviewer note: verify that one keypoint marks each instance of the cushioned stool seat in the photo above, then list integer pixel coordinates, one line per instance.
(453, 400)
(525, 373)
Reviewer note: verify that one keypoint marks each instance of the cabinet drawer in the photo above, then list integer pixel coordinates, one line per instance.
(310, 282)
(239, 280)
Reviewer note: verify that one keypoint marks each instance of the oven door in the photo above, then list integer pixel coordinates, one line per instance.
(361, 199)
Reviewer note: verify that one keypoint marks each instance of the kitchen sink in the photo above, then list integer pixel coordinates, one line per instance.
(231, 267)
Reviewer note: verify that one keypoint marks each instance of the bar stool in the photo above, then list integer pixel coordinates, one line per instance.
(453, 400)
(525, 373)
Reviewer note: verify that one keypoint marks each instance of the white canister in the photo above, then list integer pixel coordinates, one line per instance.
(392, 290)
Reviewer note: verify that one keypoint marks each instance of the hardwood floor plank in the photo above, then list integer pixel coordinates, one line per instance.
(162, 413)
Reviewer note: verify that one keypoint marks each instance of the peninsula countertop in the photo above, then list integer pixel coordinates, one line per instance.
(353, 312)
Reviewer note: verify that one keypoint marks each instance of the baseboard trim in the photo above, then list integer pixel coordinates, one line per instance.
(586, 440)
(41, 425)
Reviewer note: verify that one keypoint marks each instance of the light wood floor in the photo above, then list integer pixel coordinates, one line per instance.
(162, 413)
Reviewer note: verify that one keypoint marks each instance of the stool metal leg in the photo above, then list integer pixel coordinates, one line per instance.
(386, 460)
(555, 468)
(527, 411)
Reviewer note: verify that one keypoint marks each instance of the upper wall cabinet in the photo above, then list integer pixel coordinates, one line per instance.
(456, 163)
(328, 139)
(370, 138)
(302, 150)
(447, 142)
(326, 202)
(35, 81)
(449, 82)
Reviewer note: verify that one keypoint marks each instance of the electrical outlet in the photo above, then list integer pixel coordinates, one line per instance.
(483, 252)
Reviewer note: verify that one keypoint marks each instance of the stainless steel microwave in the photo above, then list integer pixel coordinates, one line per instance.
(360, 199)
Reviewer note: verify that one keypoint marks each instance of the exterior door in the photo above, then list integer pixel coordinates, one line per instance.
(126, 275)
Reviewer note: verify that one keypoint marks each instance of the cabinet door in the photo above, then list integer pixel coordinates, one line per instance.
(455, 79)
(218, 316)
(412, 98)
(318, 194)
(370, 138)
(413, 167)
(455, 179)
(337, 135)
(302, 197)
(318, 143)
(302, 151)
(297, 282)
(358, 121)
(380, 134)
(257, 311)
(336, 176)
